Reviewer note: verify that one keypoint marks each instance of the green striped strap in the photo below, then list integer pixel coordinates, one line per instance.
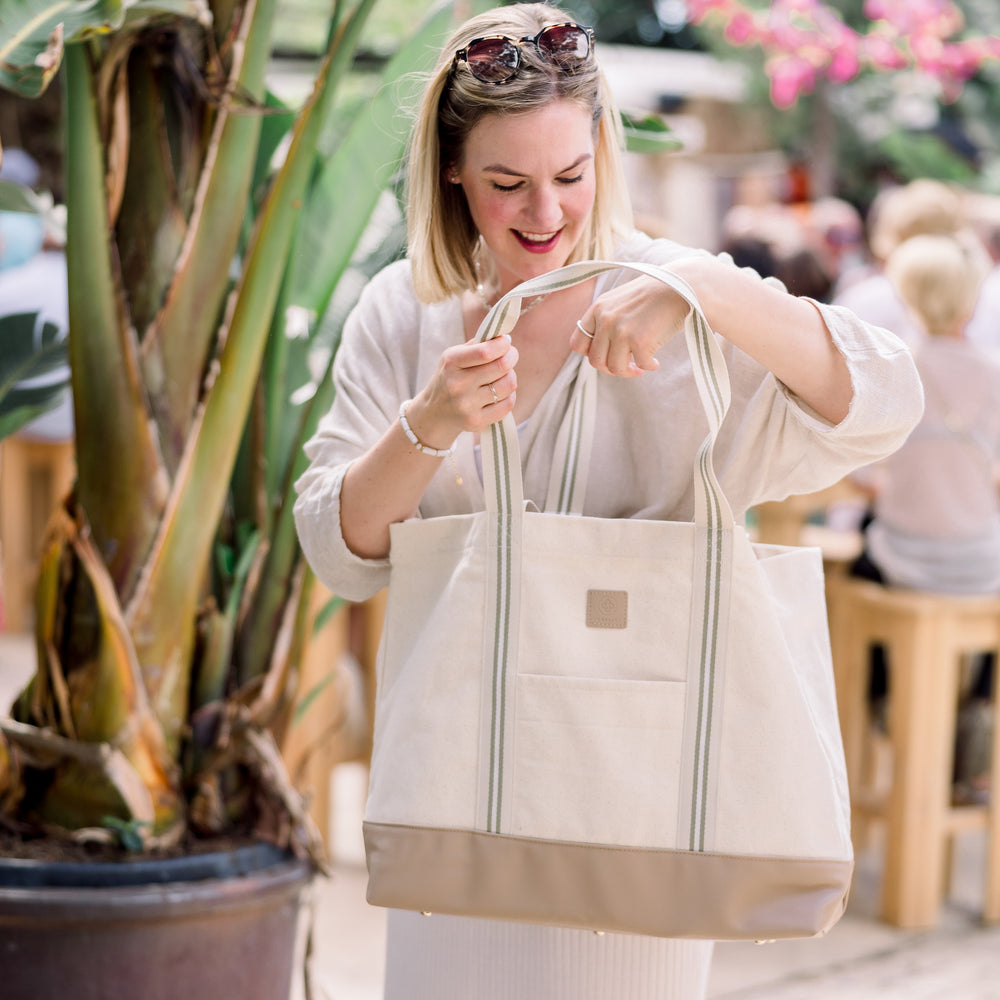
(714, 523)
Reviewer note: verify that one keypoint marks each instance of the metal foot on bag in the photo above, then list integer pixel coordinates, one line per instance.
(765, 941)
(426, 913)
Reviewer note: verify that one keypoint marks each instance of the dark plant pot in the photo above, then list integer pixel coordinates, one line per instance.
(205, 927)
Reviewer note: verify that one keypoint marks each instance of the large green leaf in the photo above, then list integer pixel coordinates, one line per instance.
(649, 135)
(33, 32)
(364, 164)
(34, 373)
(179, 345)
(18, 198)
(109, 401)
(173, 573)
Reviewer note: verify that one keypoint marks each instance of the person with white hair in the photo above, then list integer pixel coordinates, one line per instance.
(936, 515)
(922, 206)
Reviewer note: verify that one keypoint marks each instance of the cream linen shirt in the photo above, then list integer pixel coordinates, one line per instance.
(647, 431)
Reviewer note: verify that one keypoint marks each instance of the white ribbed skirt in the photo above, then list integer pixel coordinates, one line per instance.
(457, 958)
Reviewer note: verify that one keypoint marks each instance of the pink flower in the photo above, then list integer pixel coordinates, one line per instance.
(790, 77)
(882, 53)
(802, 38)
(845, 65)
(740, 29)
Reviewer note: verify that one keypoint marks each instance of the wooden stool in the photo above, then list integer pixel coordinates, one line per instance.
(926, 637)
(781, 522)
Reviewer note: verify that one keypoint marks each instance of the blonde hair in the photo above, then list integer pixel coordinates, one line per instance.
(938, 277)
(442, 239)
(923, 206)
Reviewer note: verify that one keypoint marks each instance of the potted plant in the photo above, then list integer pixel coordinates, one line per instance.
(210, 230)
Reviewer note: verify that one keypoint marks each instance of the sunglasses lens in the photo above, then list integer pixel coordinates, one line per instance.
(493, 60)
(565, 45)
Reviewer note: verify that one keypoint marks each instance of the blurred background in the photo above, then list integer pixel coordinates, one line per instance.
(776, 108)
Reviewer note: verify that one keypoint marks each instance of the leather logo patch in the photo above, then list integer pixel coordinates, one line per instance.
(607, 608)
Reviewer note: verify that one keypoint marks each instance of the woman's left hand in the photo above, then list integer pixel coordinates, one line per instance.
(629, 324)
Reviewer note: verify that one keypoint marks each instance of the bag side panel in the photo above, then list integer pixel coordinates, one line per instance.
(783, 784)
(425, 758)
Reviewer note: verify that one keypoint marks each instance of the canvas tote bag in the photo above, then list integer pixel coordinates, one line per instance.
(623, 725)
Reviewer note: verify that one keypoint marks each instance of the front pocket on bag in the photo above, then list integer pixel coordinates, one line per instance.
(597, 760)
(601, 598)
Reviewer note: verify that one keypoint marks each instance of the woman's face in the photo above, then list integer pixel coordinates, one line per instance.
(529, 183)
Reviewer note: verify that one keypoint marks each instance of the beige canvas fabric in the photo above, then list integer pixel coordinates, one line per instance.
(620, 724)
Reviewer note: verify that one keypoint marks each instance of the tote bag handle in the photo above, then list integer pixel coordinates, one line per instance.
(711, 566)
(502, 479)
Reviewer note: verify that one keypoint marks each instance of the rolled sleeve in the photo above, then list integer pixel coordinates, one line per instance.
(317, 520)
(888, 398)
(782, 447)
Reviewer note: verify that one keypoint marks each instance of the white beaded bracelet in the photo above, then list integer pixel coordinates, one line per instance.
(415, 441)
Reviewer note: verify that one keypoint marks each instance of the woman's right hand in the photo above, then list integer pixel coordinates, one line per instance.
(384, 486)
(473, 386)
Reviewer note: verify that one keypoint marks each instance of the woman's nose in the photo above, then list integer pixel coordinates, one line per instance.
(545, 209)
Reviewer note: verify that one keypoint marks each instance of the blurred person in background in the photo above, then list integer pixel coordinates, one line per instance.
(984, 327)
(750, 251)
(936, 514)
(802, 273)
(838, 238)
(922, 206)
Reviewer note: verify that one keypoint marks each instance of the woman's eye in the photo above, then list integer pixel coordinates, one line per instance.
(505, 187)
(571, 180)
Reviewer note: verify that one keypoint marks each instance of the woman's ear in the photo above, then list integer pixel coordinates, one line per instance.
(451, 175)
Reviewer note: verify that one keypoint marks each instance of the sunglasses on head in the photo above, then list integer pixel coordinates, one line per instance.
(497, 58)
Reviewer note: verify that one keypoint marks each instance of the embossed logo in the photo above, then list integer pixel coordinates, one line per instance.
(607, 608)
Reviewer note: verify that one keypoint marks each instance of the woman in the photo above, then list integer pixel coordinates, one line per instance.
(514, 171)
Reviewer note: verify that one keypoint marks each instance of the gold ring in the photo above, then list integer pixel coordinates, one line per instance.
(493, 392)
(579, 326)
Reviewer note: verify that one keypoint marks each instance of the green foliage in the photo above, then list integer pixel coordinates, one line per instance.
(924, 154)
(648, 135)
(128, 833)
(34, 375)
(33, 32)
(16, 198)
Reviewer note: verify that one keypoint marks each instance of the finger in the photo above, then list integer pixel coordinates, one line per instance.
(500, 390)
(619, 357)
(582, 337)
(504, 364)
(484, 352)
(645, 362)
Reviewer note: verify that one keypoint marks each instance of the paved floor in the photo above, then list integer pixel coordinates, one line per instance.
(860, 959)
